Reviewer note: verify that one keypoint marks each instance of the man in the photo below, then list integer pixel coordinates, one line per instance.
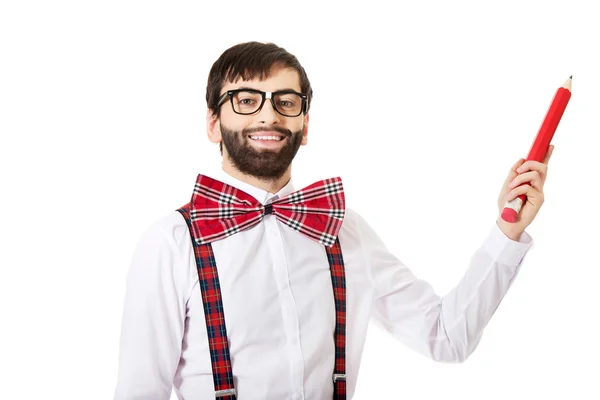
(279, 299)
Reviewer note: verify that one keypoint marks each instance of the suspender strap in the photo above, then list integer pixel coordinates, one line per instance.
(338, 279)
(215, 319)
(213, 314)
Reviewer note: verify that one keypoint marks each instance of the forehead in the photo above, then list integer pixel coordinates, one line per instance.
(279, 78)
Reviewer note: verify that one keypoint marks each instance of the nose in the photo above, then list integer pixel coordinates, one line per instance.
(267, 114)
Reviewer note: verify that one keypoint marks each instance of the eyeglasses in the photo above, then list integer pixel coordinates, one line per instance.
(249, 101)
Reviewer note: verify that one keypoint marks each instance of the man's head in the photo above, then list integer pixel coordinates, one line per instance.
(258, 96)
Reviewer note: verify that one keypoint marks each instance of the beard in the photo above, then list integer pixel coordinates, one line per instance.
(265, 164)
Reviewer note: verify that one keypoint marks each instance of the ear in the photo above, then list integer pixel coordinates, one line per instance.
(213, 127)
(305, 131)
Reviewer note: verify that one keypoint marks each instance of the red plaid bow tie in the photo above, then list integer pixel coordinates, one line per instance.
(219, 210)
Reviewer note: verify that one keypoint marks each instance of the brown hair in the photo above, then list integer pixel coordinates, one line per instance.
(248, 61)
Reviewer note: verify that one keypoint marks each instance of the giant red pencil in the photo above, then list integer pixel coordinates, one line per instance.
(541, 143)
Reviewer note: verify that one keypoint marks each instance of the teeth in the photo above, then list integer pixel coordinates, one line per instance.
(266, 138)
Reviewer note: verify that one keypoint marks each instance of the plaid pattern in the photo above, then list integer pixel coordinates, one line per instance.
(215, 320)
(213, 312)
(338, 279)
(219, 210)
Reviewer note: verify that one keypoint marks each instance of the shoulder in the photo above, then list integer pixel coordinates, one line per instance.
(359, 232)
(163, 244)
(355, 228)
(163, 256)
(172, 227)
(352, 221)
(355, 224)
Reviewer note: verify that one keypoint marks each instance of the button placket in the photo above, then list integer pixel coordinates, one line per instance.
(290, 314)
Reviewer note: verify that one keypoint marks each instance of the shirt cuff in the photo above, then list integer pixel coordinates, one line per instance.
(505, 250)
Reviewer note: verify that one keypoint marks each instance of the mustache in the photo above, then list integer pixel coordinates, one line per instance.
(278, 129)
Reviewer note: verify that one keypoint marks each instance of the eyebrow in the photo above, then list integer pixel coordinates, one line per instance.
(278, 90)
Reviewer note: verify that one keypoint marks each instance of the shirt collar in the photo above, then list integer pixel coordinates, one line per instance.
(261, 195)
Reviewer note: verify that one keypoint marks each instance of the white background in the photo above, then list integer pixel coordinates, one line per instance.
(420, 108)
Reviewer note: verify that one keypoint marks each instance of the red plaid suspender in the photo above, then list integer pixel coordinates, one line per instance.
(215, 320)
(338, 279)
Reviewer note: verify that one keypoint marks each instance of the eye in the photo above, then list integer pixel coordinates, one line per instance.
(286, 103)
(248, 101)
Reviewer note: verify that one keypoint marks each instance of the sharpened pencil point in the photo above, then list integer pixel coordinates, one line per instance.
(571, 77)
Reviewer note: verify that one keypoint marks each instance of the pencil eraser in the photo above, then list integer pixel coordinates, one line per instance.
(509, 215)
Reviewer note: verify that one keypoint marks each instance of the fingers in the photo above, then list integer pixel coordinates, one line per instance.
(522, 165)
(517, 164)
(513, 171)
(533, 178)
(531, 165)
(527, 190)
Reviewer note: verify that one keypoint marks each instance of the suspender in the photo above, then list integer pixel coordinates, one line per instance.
(215, 320)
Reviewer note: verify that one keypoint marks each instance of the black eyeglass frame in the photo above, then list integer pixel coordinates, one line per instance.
(264, 95)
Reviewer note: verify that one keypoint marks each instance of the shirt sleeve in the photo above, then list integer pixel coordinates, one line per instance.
(448, 328)
(153, 320)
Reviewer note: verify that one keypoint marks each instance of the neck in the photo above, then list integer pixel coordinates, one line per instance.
(269, 185)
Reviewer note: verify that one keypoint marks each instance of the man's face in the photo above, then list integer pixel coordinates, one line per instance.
(248, 139)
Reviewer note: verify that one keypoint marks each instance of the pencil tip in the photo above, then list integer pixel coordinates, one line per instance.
(571, 77)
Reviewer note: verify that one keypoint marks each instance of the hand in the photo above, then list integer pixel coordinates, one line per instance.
(531, 175)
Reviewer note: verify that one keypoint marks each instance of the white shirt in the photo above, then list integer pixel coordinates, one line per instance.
(279, 310)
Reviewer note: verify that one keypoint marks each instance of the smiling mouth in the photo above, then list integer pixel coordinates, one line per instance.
(266, 138)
